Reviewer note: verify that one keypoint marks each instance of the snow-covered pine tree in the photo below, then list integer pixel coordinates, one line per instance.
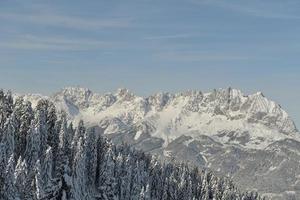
(10, 191)
(126, 173)
(91, 156)
(63, 163)
(53, 127)
(8, 139)
(21, 178)
(7, 163)
(184, 189)
(119, 172)
(40, 124)
(79, 133)
(23, 114)
(156, 179)
(70, 135)
(145, 193)
(79, 188)
(6, 108)
(137, 177)
(107, 182)
(46, 185)
(3, 165)
(51, 119)
(103, 150)
(17, 113)
(63, 132)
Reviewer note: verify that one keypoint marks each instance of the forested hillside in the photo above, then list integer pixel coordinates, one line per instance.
(42, 156)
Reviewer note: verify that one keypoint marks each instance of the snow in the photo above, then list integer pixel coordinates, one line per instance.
(137, 135)
(272, 168)
(227, 116)
(190, 113)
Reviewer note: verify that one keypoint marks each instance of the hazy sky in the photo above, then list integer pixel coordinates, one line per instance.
(153, 45)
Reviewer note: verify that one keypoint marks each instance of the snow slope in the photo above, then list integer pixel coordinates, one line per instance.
(192, 112)
(224, 130)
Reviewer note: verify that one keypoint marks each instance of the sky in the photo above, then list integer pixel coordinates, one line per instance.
(153, 45)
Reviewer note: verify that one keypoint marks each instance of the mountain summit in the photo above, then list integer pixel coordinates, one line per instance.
(186, 112)
(223, 130)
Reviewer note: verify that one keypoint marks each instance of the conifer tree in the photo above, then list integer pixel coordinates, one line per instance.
(46, 186)
(79, 133)
(9, 191)
(91, 155)
(22, 179)
(79, 189)
(23, 116)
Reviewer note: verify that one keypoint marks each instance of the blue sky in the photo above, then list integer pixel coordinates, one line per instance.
(153, 45)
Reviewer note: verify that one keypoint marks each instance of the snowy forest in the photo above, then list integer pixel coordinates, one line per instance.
(43, 156)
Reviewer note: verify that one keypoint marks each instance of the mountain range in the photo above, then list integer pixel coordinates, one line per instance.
(247, 137)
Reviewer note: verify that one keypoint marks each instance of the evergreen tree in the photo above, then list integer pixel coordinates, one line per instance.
(40, 124)
(3, 164)
(107, 180)
(145, 193)
(23, 116)
(46, 186)
(9, 191)
(91, 155)
(63, 167)
(8, 138)
(30, 158)
(79, 133)
(6, 108)
(52, 127)
(79, 189)
(22, 179)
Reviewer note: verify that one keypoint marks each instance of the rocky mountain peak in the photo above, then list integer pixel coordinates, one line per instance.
(76, 91)
(230, 104)
(124, 94)
(76, 95)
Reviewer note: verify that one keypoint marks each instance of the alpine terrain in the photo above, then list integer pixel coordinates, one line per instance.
(43, 157)
(247, 137)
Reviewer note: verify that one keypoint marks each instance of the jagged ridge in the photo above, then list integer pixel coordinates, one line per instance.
(223, 130)
(43, 157)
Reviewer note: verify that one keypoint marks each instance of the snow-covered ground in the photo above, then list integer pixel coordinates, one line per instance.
(247, 137)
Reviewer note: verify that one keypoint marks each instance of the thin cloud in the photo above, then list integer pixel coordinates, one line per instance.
(31, 42)
(162, 37)
(199, 56)
(68, 21)
(264, 11)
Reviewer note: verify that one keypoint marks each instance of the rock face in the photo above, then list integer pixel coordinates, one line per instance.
(224, 130)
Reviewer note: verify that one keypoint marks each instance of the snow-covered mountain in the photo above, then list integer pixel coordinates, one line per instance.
(193, 113)
(224, 130)
(42, 157)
